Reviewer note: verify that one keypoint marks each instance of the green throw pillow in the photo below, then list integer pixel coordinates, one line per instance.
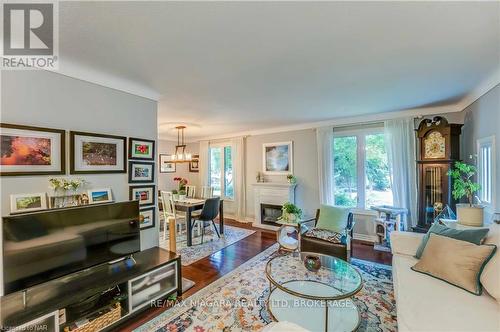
(470, 235)
(333, 218)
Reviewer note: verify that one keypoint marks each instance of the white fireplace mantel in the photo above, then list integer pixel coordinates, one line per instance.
(275, 193)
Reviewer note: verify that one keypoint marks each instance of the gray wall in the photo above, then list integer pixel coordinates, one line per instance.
(305, 167)
(46, 99)
(482, 119)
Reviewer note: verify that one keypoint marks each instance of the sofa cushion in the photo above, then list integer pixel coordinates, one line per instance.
(470, 235)
(490, 278)
(333, 218)
(459, 263)
(428, 304)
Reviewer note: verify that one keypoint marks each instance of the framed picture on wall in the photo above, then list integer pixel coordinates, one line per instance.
(100, 196)
(140, 172)
(20, 203)
(32, 150)
(277, 158)
(141, 149)
(97, 153)
(166, 164)
(194, 164)
(147, 217)
(144, 194)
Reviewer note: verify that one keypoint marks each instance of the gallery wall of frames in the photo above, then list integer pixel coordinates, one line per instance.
(33, 151)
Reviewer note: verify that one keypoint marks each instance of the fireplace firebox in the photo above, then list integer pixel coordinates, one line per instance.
(269, 214)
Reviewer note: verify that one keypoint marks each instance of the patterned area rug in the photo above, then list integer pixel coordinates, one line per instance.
(236, 302)
(211, 243)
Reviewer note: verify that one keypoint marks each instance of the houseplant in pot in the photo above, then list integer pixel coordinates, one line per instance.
(182, 195)
(290, 213)
(469, 214)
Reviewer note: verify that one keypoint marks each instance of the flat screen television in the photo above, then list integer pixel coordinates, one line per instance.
(41, 246)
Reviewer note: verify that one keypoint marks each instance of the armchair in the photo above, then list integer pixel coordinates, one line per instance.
(331, 234)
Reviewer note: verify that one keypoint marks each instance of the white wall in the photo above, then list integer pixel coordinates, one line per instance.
(482, 119)
(46, 99)
(166, 180)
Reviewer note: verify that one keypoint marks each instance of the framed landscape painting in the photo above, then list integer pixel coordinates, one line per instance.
(100, 196)
(20, 203)
(97, 153)
(144, 194)
(29, 150)
(140, 172)
(141, 149)
(147, 217)
(166, 164)
(277, 158)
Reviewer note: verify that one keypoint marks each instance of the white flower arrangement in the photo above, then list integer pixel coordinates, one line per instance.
(66, 184)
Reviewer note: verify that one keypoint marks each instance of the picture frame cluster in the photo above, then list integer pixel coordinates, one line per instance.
(29, 150)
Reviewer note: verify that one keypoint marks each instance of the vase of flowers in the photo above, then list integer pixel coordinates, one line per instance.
(65, 191)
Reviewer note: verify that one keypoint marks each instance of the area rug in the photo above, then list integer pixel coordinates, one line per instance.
(211, 243)
(236, 302)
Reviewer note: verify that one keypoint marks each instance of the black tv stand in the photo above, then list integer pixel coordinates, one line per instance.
(155, 275)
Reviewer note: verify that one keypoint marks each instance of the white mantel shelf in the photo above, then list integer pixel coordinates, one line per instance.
(275, 184)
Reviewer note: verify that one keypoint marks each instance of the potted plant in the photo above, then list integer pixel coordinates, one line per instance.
(469, 214)
(182, 195)
(181, 187)
(290, 213)
(291, 179)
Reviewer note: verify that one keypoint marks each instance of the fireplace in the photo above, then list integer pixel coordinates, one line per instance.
(269, 214)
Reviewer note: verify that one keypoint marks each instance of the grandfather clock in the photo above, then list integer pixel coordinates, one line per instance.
(438, 149)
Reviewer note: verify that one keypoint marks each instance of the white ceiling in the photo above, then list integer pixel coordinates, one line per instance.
(225, 67)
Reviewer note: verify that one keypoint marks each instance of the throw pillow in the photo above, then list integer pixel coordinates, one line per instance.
(470, 235)
(333, 218)
(326, 235)
(459, 263)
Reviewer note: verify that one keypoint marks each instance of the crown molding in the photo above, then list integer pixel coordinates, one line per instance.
(88, 74)
(461, 105)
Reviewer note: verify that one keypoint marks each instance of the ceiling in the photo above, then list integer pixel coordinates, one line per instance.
(227, 67)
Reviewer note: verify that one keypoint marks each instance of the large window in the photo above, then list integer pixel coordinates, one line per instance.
(361, 171)
(221, 171)
(486, 169)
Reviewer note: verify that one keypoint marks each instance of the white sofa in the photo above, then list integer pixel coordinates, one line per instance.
(427, 304)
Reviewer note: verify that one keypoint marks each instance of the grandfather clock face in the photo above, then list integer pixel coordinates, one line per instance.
(435, 146)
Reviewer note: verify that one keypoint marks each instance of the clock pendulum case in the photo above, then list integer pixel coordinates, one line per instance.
(438, 147)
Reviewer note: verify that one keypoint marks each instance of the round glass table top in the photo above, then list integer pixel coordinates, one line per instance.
(336, 279)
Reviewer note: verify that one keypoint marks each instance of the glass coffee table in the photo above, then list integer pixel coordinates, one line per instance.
(317, 301)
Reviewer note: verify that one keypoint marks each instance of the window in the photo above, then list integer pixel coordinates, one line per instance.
(361, 169)
(486, 169)
(221, 171)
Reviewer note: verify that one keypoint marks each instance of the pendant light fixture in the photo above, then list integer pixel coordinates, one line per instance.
(181, 155)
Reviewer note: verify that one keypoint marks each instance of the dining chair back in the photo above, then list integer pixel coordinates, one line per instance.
(167, 200)
(208, 214)
(207, 192)
(190, 191)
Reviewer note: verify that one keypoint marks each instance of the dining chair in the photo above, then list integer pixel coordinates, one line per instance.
(167, 200)
(191, 191)
(208, 214)
(207, 192)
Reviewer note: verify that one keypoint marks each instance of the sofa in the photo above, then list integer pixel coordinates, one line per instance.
(424, 303)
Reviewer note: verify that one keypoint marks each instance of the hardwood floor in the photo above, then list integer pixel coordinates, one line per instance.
(208, 269)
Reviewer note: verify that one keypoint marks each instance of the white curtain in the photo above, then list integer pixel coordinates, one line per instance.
(203, 163)
(324, 141)
(400, 143)
(239, 176)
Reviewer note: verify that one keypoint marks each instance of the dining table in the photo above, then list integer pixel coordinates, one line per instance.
(189, 205)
